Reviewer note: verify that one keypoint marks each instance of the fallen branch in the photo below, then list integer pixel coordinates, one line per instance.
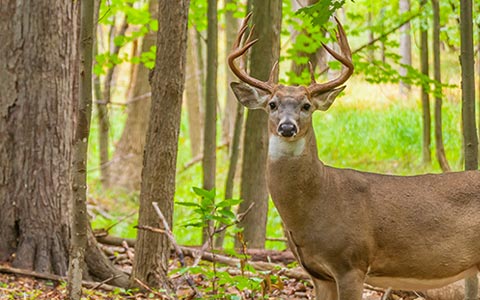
(258, 265)
(113, 240)
(88, 284)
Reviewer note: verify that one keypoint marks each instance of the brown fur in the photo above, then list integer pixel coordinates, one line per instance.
(348, 227)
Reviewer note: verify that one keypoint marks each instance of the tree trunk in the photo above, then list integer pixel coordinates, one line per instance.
(193, 95)
(79, 225)
(267, 16)
(230, 109)
(470, 139)
(103, 116)
(442, 159)
(159, 164)
(38, 68)
(125, 169)
(426, 119)
(210, 132)
(405, 47)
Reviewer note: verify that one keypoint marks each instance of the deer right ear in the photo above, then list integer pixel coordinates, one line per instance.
(249, 96)
(324, 100)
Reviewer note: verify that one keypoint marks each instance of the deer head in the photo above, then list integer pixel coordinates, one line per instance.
(289, 107)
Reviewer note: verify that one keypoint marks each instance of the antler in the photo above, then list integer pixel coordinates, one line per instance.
(239, 52)
(345, 58)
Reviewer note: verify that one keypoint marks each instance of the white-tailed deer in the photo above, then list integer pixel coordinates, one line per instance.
(348, 227)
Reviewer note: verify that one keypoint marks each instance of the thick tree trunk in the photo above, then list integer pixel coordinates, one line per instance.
(125, 169)
(442, 158)
(426, 119)
(37, 72)
(267, 16)
(193, 95)
(158, 176)
(210, 132)
(405, 47)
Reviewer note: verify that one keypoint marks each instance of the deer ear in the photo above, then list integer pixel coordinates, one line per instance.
(249, 96)
(324, 100)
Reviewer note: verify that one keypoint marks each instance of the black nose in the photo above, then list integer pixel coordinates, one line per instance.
(287, 129)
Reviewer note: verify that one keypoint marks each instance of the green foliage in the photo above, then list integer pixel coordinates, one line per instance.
(208, 209)
(319, 13)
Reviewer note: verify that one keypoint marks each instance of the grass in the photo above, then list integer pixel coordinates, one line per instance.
(368, 128)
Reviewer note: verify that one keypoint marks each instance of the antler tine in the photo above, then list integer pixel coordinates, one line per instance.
(271, 78)
(345, 58)
(238, 51)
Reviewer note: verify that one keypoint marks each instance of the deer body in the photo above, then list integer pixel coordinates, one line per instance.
(347, 227)
(412, 233)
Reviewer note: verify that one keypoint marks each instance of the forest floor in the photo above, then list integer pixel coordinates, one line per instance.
(230, 283)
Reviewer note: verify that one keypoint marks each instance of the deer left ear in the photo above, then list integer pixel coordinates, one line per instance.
(249, 96)
(324, 100)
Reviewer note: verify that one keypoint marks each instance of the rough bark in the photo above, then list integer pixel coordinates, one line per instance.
(125, 169)
(193, 95)
(159, 164)
(426, 119)
(267, 17)
(37, 72)
(79, 226)
(405, 47)
(441, 156)
(210, 131)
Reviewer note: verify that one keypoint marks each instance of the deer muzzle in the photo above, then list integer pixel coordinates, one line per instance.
(287, 129)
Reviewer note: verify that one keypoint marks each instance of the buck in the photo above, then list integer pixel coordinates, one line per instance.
(347, 227)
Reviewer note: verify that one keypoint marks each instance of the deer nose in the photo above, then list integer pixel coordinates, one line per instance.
(287, 129)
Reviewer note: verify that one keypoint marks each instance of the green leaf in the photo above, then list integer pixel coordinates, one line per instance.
(188, 204)
(204, 193)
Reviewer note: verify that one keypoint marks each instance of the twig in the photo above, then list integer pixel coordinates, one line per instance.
(382, 36)
(145, 286)
(177, 248)
(104, 282)
(239, 219)
(386, 293)
(199, 158)
(45, 276)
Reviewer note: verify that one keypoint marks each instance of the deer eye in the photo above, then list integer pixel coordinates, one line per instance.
(306, 106)
(272, 105)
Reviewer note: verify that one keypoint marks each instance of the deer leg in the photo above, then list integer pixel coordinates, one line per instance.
(325, 290)
(350, 285)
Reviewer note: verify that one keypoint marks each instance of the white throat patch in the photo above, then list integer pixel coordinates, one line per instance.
(278, 147)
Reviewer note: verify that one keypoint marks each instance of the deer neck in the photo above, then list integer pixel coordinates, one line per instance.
(304, 148)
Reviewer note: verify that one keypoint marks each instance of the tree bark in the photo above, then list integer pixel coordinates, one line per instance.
(193, 95)
(405, 47)
(267, 16)
(470, 139)
(125, 169)
(426, 119)
(38, 67)
(210, 132)
(79, 226)
(441, 157)
(158, 175)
